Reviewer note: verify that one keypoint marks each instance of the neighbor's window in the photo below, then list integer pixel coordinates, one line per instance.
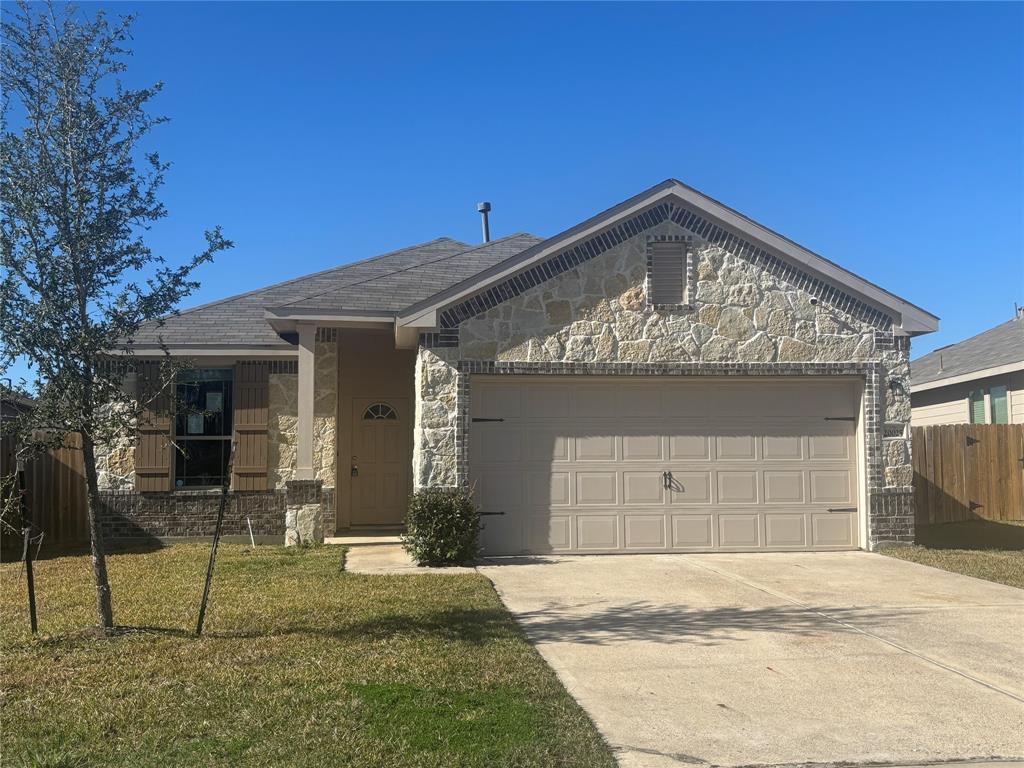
(202, 427)
(666, 268)
(976, 404)
(1000, 410)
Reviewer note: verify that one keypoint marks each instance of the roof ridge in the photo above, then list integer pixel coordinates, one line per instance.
(964, 341)
(322, 272)
(408, 269)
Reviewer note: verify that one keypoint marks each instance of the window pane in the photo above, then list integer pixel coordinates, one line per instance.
(977, 406)
(204, 403)
(201, 462)
(1000, 411)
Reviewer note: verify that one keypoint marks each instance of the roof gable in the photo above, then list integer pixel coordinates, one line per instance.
(696, 212)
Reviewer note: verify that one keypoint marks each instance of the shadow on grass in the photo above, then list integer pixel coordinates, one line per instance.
(639, 621)
(12, 554)
(974, 534)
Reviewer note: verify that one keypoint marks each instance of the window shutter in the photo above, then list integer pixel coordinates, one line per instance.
(153, 449)
(668, 272)
(977, 406)
(251, 396)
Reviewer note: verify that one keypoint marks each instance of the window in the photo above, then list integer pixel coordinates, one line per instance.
(379, 411)
(976, 406)
(202, 428)
(1000, 411)
(667, 272)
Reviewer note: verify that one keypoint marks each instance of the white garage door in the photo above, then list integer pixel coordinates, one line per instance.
(571, 464)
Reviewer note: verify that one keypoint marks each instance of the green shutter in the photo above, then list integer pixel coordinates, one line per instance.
(1000, 411)
(977, 406)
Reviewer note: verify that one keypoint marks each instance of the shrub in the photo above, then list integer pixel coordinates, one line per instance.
(442, 527)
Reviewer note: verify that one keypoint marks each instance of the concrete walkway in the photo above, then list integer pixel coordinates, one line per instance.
(778, 658)
(387, 557)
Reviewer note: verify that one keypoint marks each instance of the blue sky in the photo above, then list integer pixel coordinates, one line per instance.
(887, 137)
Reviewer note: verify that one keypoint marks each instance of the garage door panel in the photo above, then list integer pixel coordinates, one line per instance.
(647, 447)
(690, 447)
(739, 487)
(497, 445)
(597, 532)
(785, 531)
(583, 466)
(693, 532)
(831, 486)
(500, 492)
(782, 447)
(643, 488)
(548, 489)
(503, 534)
(644, 531)
(542, 445)
(593, 402)
(736, 448)
(691, 487)
(547, 401)
(836, 447)
(640, 401)
(549, 533)
(739, 531)
(596, 448)
(597, 488)
(499, 401)
(783, 486)
(833, 529)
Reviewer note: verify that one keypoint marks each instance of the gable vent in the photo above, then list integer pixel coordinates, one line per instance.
(667, 272)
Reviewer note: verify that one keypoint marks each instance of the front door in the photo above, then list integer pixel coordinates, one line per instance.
(379, 465)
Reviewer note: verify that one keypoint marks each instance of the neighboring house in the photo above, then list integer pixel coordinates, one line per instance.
(665, 376)
(978, 381)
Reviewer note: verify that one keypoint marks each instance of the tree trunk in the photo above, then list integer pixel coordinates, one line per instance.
(104, 610)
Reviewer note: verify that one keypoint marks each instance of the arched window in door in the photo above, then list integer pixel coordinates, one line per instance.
(379, 412)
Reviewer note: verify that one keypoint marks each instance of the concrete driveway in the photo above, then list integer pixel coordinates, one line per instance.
(778, 658)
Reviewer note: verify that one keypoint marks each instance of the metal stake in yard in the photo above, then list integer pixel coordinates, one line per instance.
(216, 539)
(252, 539)
(26, 554)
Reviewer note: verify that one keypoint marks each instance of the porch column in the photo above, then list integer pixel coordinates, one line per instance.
(304, 425)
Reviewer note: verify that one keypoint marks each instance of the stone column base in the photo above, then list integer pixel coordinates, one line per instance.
(303, 520)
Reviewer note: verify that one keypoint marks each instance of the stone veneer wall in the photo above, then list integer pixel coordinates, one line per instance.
(284, 415)
(593, 317)
(115, 463)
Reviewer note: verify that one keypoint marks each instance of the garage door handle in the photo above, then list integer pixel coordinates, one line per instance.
(475, 419)
(841, 509)
(491, 513)
(840, 418)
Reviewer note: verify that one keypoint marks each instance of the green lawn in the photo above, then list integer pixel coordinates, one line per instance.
(986, 550)
(302, 664)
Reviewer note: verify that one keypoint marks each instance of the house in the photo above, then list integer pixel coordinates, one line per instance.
(668, 375)
(978, 381)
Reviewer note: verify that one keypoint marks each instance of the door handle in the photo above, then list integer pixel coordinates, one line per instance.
(666, 480)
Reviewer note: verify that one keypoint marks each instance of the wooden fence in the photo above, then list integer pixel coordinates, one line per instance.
(968, 472)
(56, 493)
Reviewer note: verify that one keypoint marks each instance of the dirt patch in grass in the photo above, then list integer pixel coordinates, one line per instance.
(984, 549)
(302, 664)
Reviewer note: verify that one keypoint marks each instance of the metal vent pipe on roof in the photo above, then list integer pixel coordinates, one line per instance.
(484, 209)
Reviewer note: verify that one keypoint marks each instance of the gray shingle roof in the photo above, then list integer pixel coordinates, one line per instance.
(404, 286)
(997, 346)
(384, 284)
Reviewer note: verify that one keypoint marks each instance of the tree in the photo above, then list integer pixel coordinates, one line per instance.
(78, 193)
